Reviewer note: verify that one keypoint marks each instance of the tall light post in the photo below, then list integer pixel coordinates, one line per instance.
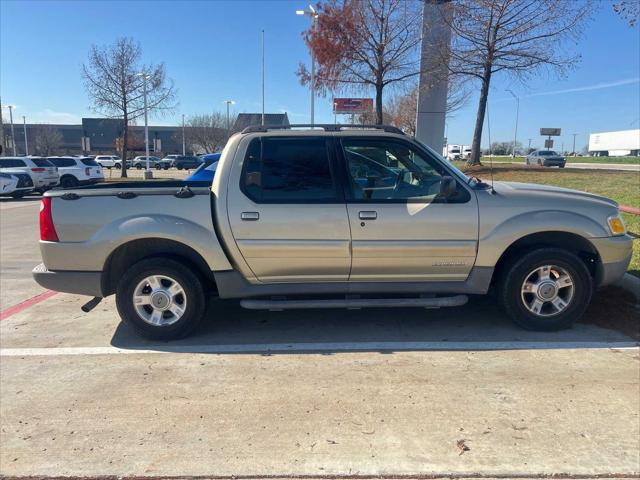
(313, 15)
(263, 77)
(228, 102)
(574, 144)
(13, 137)
(183, 142)
(26, 143)
(515, 135)
(147, 172)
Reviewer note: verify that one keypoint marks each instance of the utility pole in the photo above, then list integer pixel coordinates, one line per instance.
(13, 137)
(515, 135)
(574, 144)
(529, 147)
(263, 77)
(313, 15)
(183, 142)
(26, 143)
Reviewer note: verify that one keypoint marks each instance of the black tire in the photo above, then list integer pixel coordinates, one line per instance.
(158, 166)
(179, 167)
(68, 181)
(138, 166)
(193, 289)
(511, 298)
(561, 166)
(118, 166)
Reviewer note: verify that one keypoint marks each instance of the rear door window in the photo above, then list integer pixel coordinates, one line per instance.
(63, 162)
(11, 163)
(89, 162)
(289, 170)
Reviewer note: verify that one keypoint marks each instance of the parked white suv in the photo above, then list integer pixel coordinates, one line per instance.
(76, 171)
(109, 161)
(43, 173)
(16, 184)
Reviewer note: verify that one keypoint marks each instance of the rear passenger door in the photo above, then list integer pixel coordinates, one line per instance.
(288, 214)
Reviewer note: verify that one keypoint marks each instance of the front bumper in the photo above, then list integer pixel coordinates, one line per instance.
(615, 255)
(81, 283)
(554, 163)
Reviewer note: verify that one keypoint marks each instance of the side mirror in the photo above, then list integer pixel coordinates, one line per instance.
(447, 187)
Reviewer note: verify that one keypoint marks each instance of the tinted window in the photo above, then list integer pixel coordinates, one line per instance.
(11, 163)
(388, 170)
(288, 170)
(42, 162)
(63, 162)
(90, 162)
(547, 153)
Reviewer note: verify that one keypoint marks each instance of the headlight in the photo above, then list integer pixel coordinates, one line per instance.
(616, 225)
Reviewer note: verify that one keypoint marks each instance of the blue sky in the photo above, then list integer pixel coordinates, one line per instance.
(212, 51)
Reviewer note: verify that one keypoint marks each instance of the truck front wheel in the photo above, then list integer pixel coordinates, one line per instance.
(161, 299)
(547, 289)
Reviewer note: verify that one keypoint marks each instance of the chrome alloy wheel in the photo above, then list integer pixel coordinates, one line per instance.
(547, 290)
(159, 300)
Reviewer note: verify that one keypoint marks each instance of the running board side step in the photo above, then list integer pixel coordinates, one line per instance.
(428, 302)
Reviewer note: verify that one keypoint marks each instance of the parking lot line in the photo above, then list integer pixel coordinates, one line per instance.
(7, 312)
(267, 348)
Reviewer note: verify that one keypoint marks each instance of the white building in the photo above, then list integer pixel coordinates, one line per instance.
(615, 144)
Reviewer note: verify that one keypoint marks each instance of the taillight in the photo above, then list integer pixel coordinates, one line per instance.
(47, 228)
(39, 169)
(87, 171)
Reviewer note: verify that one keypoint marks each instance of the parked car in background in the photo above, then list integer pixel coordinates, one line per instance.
(169, 159)
(108, 161)
(546, 158)
(15, 185)
(206, 171)
(43, 173)
(466, 153)
(186, 162)
(154, 162)
(76, 171)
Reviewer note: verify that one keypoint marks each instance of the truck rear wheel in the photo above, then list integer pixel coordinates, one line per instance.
(547, 289)
(161, 299)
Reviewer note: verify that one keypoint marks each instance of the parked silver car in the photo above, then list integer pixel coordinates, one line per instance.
(545, 158)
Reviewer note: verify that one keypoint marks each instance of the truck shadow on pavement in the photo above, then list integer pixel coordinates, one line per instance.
(479, 325)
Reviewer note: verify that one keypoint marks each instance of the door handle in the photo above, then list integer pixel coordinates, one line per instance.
(250, 216)
(368, 215)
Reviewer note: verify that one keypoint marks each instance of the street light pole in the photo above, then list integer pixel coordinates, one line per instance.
(147, 173)
(574, 144)
(26, 143)
(311, 12)
(515, 135)
(183, 142)
(13, 137)
(263, 77)
(228, 102)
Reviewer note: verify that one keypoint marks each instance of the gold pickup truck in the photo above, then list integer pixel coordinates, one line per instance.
(330, 217)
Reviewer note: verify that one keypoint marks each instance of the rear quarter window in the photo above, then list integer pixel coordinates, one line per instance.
(63, 162)
(89, 162)
(42, 162)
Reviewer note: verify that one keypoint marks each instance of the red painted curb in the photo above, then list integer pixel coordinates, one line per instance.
(7, 312)
(631, 210)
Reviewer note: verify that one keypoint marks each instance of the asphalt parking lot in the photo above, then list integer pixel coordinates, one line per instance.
(452, 392)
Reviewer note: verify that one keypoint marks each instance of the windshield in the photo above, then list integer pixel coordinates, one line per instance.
(547, 153)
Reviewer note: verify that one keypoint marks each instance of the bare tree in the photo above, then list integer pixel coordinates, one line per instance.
(114, 84)
(206, 132)
(519, 37)
(47, 140)
(365, 43)
(629, 10)
(401, 109)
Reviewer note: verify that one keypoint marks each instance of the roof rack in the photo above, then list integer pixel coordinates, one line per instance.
(327, 127)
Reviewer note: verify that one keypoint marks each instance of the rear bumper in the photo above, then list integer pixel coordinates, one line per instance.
(81, 283)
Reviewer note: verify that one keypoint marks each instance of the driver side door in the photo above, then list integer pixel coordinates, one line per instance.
(401, 228)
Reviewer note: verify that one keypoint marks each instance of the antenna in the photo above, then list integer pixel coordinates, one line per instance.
(493, 190)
